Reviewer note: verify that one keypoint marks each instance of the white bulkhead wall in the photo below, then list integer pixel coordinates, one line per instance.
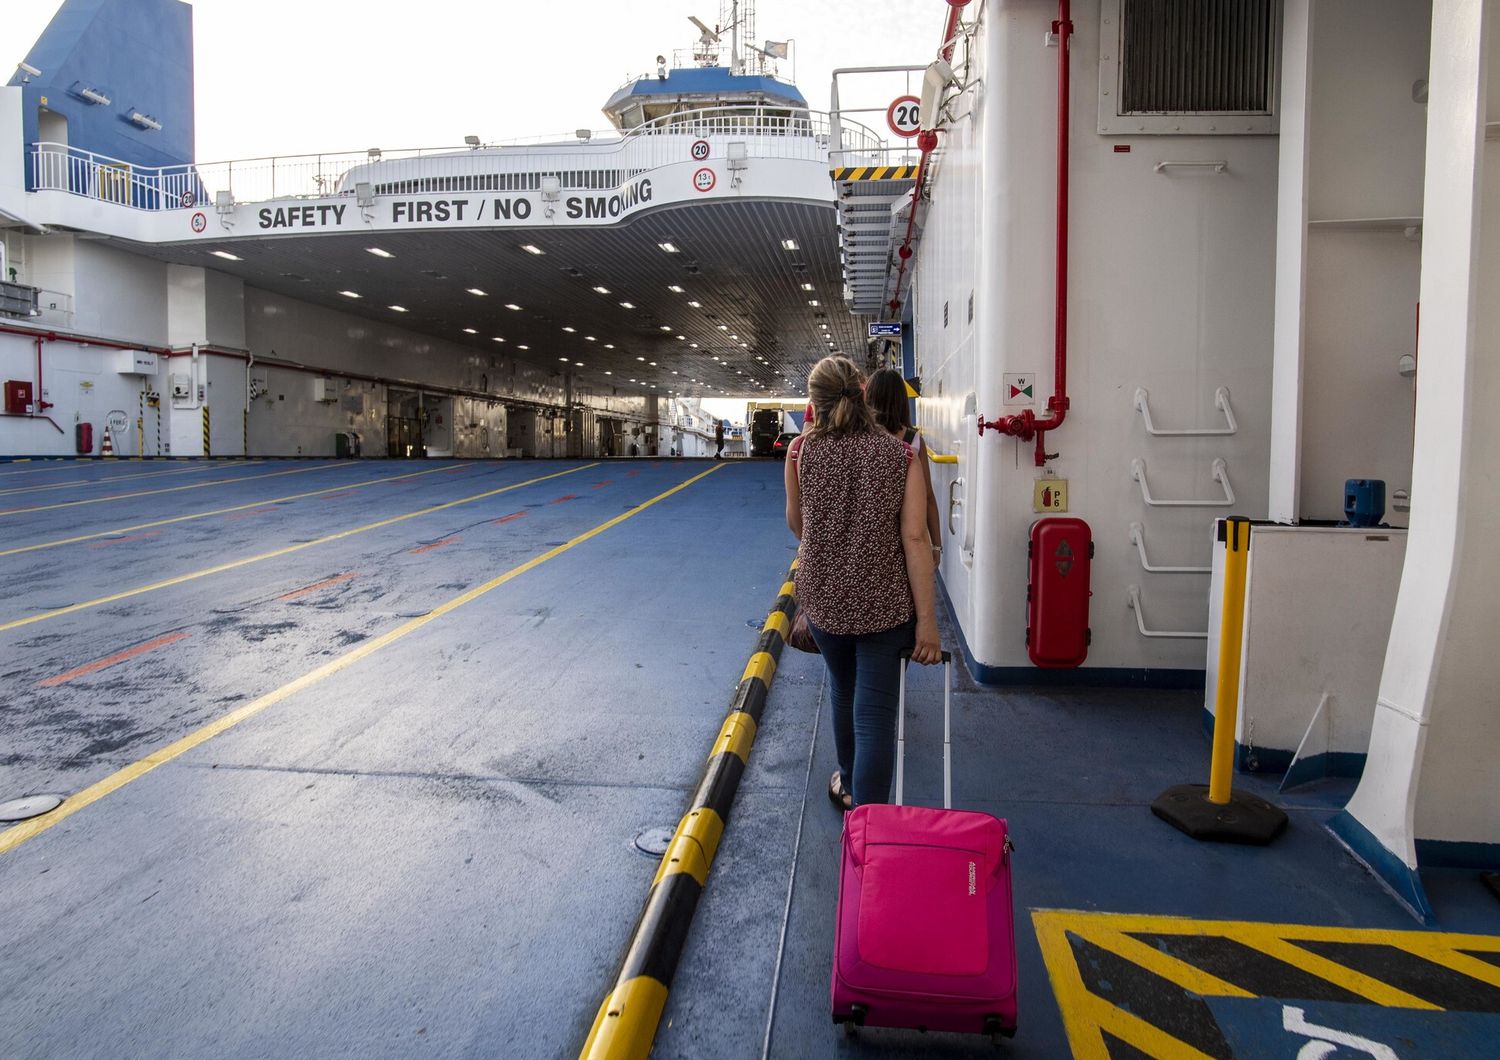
(1170, 290)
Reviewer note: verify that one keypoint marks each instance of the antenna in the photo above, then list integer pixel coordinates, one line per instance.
(706, 53)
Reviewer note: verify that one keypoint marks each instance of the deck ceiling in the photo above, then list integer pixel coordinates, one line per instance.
(730, 260)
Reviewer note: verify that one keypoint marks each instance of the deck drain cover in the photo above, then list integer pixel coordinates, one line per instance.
(654, 841)
(27, 807)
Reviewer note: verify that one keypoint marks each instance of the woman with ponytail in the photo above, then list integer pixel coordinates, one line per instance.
(857, 500)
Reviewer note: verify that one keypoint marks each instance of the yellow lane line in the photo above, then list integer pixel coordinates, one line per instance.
(13, 837)
(222, 511)
(169, 489)
(231, 565)
(110, 480)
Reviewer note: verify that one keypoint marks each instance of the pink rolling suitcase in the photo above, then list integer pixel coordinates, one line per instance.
(925, 934)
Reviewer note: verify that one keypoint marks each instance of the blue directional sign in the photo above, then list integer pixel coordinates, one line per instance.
(882, 328)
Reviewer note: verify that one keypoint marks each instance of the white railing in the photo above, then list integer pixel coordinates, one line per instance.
(607, 160)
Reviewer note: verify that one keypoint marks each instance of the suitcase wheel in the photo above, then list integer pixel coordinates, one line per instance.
(997, 1031)
(856, 1020)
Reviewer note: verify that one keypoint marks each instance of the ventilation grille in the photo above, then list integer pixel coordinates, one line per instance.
(1197, 56)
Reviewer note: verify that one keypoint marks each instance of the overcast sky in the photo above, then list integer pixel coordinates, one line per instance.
(278, 77)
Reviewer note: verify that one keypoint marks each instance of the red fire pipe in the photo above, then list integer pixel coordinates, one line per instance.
(926, 143)
(1026, 425)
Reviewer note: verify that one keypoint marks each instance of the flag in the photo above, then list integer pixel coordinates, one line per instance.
(776, 49)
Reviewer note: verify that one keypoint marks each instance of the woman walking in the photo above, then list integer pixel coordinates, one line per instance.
(857, 501)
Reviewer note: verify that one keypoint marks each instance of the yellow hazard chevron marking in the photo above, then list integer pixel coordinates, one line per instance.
(848, 173)
(789, 588)
(1285, 959)
(778, 621)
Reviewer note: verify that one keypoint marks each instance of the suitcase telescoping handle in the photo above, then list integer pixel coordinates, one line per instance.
(947, 736)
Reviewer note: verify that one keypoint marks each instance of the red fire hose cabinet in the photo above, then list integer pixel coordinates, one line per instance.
(1057, 592)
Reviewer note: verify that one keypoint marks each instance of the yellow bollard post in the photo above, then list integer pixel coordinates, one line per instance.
(1231, 633)
(1215, 810)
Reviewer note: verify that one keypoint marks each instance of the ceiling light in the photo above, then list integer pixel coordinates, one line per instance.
(716, 357)
(674, 373)
(564, 360)
(609, 345)
(607, 372)
(674, 288)
(512, 305)
(735, 337)
(666, 327)
(723, 327)
(379, 253)
(470, 331)
(602, 290)
(696, 305)
(578, 363)
(746, 345)
(670, 249)
(523, 347)
(226, 255)
(475, 290)
(683, 337)
(349, 294)
(591, 338)
(397, 308)
(694, 345)
(788, 244)
(627, 305)
(653, 364)
(532, 248)
(642, 359)
(812, 301)
(497, 338)
(807, 287)
(570, 330)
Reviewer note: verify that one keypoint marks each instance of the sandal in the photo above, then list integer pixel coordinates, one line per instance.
(837, 795)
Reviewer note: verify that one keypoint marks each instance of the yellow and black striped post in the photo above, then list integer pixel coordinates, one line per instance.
(206, 451)
(626, 1024)
(140, 427)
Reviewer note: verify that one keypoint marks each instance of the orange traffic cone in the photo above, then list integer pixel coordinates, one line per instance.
(108, 447)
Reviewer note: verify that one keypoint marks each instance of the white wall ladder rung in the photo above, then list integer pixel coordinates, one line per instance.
(1133, 601)
(1138, 539)
(1220, 474)
(1221, 402)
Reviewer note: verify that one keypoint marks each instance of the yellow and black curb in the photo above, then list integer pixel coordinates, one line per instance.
(626, 1024)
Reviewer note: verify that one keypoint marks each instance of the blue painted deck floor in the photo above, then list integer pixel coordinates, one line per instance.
(463, 689)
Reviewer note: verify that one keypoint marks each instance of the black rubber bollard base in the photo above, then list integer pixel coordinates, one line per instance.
(1244, 819)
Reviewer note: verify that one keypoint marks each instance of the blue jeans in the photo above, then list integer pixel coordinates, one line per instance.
(864, 671)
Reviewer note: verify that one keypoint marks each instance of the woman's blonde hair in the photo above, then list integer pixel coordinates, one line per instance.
(836, 389)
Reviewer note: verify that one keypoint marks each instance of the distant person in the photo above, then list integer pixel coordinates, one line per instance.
(886, 393)
(856, 499)
(718, 439)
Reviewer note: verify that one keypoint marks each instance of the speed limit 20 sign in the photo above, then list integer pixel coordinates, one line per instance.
(903, 115)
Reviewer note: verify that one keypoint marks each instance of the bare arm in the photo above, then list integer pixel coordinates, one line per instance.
(793, 494)
(919, 566)
(934, 527)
